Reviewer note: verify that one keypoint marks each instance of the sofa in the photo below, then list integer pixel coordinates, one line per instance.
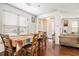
(69, 40)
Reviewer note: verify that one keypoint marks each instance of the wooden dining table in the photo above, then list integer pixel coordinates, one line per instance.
(20, 41)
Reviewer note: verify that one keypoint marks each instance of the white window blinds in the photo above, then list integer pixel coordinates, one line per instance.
(22, 21)
(74, 26)
(10, 18)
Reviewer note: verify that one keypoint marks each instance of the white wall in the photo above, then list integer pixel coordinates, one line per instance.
(0, 22)
(57, 27)
(39, 25)
(44, 25)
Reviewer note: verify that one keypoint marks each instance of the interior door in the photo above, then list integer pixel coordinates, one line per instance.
(50, 28)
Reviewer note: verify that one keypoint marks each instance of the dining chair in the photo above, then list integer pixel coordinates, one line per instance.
(34, 45)
(9, 49)
(23, 51)
(29, 49)
(45, 39)
(33, 48)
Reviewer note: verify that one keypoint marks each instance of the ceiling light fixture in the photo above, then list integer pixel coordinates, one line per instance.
(38, 5)
(28, 4)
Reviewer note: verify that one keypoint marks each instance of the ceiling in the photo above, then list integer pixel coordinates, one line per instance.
(43, 8)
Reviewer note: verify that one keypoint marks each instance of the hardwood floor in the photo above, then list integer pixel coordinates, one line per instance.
(56, 50)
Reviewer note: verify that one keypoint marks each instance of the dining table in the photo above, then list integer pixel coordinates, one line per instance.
(20, 41)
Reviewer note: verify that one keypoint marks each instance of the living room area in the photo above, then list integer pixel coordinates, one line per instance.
(39, 29)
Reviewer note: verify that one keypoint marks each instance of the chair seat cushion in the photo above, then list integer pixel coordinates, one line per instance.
(27, 46)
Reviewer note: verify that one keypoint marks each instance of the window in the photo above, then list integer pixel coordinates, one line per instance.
(74, 26)
(23, 25)
(10, 23)
(17, 24)
(10, 19)
(22, 21)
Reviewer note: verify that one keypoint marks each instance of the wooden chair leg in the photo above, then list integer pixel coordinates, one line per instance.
(5, 53)
(35, 51)
(45, 43)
